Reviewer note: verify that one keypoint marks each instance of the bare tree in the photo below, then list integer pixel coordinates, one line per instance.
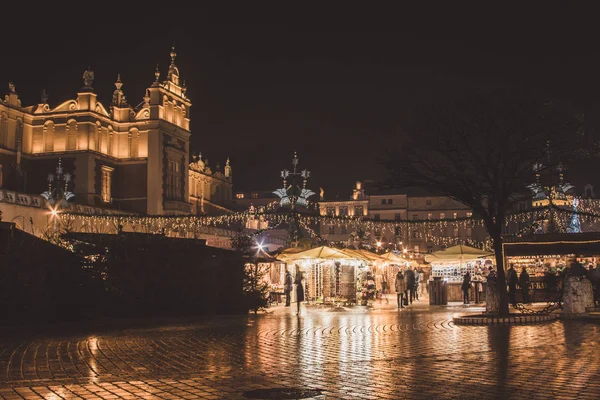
(481, 151)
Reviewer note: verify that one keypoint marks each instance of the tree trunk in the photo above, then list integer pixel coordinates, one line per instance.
(501, 281)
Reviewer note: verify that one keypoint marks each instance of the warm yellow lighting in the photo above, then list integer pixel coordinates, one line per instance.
(54, 213)
(378, 244)
(405, 251)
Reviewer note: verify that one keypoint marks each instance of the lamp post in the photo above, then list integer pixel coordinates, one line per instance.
(58, 193)
(291, 194)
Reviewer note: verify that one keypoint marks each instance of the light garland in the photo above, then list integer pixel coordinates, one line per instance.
(427, 230)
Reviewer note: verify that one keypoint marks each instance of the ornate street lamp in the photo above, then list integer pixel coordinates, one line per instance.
(58, 194)
(292, 194)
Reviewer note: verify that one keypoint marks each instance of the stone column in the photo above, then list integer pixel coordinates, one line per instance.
(578, 294)
(492, 301)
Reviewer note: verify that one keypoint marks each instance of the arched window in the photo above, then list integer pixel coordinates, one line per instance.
(49, 136)
(3, 130)
(134, 141)
(98, 138)
(72, 135)
(19, 135)
(111, 141)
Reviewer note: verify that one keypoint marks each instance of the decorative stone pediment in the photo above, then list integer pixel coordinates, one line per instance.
(69, 105)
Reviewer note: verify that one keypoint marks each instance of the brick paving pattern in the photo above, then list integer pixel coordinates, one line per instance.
(381, 353)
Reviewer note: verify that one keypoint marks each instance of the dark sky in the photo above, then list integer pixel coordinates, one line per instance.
(333, 82)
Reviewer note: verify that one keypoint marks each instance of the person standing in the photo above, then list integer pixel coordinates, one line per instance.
(400, 286)
(416, 287)
(524, 284)
(466, 285)
(422, 282)
(287, 287)
(410, 284)
(511, 280)
(596, 284)
(299, 290)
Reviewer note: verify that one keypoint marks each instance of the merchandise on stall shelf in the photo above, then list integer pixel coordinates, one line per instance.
(454, 262)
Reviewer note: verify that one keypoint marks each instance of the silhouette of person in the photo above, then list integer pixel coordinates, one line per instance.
(299, 290)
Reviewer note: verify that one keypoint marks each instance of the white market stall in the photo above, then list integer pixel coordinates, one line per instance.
(454, 262)
(329, 274)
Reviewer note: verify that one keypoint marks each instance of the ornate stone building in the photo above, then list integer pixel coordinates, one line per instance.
(210, 191)
(123, 157)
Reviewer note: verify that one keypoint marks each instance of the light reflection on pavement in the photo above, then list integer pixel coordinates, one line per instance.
(381, 353)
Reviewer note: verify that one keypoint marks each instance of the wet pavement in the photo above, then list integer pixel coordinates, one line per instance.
(359, 353)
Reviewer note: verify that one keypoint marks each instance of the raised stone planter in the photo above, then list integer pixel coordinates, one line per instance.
(577, 296)
(512, 319)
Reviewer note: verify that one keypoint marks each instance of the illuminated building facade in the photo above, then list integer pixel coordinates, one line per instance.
(397, 207)
(122, 157)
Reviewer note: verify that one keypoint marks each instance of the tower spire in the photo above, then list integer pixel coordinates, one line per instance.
(147, 99)
(119, 99)
(173, 55)
(156, 74)
(173, 67)
(173, 74)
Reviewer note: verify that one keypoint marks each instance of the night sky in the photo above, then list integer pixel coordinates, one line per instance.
(334, 83)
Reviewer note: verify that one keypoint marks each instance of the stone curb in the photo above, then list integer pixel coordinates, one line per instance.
(513, 319)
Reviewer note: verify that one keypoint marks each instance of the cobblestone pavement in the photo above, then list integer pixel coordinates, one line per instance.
(382, 353)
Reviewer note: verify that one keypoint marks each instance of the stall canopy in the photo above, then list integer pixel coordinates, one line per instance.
(323, 252)
(362, 255)
(392, 258)
(457, 253)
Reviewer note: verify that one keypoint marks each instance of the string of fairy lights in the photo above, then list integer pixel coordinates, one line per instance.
(434, 231)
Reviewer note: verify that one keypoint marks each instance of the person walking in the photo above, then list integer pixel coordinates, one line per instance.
(466, 285)
(524, 284)
(299, 290)
(511, 280)
(409, 277)
(400, 286)
(288, 287)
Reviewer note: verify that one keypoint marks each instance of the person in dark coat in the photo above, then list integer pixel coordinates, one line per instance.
(466, 285)
(511, 280)
(409, 276)
(288, 287)
(400, 286)
(299, 290)
(524, 284)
